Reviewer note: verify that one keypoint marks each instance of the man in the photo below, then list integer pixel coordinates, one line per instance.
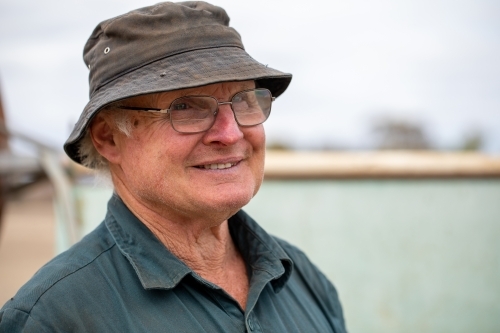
(175, 116)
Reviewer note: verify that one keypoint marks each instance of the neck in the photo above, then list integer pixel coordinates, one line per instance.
(208, 250)
(205, 246)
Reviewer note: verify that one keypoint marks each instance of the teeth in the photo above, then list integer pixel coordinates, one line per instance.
(218, 166)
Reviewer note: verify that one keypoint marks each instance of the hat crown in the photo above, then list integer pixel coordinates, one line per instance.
(122, 44)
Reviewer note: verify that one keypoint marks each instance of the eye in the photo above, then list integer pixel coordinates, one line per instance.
(246, 102)
(180, 106)
(237, 98)
(193, 102)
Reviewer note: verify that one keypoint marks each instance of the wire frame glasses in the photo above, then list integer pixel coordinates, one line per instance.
(195, 114)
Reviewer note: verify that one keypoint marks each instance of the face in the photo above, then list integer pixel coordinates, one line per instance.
(185, 176)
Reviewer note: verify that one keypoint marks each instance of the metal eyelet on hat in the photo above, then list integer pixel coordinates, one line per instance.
(106, 50)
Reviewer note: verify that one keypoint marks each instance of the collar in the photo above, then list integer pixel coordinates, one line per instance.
(157, 268)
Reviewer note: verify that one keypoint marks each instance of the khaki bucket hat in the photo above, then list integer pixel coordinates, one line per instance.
(165, 47)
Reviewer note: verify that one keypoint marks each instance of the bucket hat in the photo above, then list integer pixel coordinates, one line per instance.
(165, 47)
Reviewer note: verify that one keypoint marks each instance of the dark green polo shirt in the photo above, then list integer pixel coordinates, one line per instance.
(120, 278)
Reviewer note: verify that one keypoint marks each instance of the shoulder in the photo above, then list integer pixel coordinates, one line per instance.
(310, 275)
(72, 269)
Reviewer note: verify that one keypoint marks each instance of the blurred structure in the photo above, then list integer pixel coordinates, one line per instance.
(399, 134)
(27, 237)
(3, 149)
(473, 141)
(15, 171)
(18, 172)
(25, 234)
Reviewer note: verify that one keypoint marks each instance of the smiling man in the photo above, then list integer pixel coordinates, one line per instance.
(175, 117)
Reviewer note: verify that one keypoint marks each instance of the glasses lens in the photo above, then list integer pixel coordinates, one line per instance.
(252, 107)
(192, 114)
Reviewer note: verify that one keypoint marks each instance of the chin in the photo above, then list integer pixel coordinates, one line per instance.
(235, 202)
(228, 203)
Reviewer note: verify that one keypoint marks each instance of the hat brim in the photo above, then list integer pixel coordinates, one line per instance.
(186, 70)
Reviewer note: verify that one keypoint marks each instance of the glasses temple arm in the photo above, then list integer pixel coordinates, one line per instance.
(144, 109)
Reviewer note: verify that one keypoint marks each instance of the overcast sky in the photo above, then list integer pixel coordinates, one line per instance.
(431, 62)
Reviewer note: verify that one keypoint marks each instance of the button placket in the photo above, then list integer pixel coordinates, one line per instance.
(253, 324)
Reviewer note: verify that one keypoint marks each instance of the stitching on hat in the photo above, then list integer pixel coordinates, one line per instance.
(133, 69)
(207, 73)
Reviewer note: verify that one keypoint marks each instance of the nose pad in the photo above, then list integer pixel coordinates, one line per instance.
(216, 112)
(230, 113)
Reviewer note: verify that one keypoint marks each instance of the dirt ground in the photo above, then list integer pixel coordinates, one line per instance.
(27, 238)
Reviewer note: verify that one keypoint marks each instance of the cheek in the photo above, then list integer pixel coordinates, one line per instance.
(257, 139)
(256, 136)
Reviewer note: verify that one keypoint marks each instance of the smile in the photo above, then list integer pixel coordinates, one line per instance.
(217, 166)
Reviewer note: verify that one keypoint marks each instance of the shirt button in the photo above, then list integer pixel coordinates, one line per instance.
(250, 324)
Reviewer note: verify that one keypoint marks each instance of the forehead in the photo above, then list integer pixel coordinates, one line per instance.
(221, 91)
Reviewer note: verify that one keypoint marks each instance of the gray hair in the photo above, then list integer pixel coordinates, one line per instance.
(121, 120)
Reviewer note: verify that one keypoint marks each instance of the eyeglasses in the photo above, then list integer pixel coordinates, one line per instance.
(195, 114)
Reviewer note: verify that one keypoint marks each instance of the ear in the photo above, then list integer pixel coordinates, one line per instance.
(104, 137)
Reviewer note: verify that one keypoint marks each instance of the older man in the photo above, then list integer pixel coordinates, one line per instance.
(175, 116)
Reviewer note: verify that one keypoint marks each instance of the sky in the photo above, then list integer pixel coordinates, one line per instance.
(434, 63)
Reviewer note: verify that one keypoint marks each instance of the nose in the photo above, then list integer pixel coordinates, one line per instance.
(225, 129)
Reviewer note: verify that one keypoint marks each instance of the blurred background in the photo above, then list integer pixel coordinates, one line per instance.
(364, 71)
(387, 143)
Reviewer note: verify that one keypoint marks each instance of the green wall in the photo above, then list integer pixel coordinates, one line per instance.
(405, 255)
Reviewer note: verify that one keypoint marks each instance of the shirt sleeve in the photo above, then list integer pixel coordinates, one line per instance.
(16, 321)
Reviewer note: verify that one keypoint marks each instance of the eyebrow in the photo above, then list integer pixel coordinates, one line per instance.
(204, 93)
